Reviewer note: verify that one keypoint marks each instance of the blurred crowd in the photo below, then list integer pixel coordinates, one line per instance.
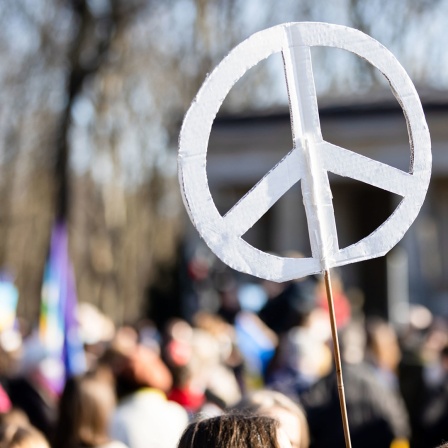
(257, 349)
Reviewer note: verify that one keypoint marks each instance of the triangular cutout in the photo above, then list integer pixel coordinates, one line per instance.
(283, 229)
(370, 121)
(237, 160)
(246, 140)
(359, 208)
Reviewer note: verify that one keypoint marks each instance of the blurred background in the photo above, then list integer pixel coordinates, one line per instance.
(101, 267)
(92, 99)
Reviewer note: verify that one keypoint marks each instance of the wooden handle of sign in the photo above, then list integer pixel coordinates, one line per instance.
(337, 359)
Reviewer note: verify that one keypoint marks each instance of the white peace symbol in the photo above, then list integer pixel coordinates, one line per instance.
(309, 160)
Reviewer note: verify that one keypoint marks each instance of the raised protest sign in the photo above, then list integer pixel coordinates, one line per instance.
(309, 161)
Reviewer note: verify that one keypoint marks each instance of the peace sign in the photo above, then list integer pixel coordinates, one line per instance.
(309, 161)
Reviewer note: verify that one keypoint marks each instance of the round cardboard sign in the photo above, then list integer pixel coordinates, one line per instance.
(309, 161)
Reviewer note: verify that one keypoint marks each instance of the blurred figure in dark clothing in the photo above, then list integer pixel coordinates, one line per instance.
(36, 402)
(29, 386)
(423, 375)
(376, 415)
(290, 307)
(229, 305)
(434, 415)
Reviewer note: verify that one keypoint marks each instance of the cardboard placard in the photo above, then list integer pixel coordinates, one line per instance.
(309, 161)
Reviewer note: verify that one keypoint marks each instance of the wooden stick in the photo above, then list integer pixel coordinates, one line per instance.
(337, 359)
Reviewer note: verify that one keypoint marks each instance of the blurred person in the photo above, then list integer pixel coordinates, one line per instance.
(228, 338)
(434, 412)
(96, 331)
(16, 436)
(435, 341)
(288, 304)
(223, 333)
(341, 303)
(257, 344)
(382, 351)
(302, 358)
(215, 358)
(144, 417)
(85, 410)
(229, 304)
(130, 361)
(200, 292)
(15, 417)
(247, 344)
(177, 343)
(423, 375)
(289, 414)
(28, 386)
(148, 334)
(234, 431)
(377, 416)
(178, 353)
(184, 391)
(413, 369)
